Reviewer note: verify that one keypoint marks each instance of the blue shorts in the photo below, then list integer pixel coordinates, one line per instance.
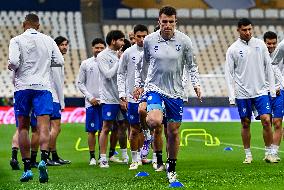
(110, 112)
(173, 107)
(94, 120)
(38, 100)
(33, 120)
(261, 104)
(132, 113)
(56, 113)
(277, 105)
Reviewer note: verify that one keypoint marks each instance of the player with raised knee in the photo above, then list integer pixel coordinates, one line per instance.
(166, 53)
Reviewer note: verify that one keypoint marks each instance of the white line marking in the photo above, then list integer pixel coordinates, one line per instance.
(230, 144)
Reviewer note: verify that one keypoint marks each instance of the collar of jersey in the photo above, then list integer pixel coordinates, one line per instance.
(31, 30)
(110, 50)
(160, 39)
(243, 41)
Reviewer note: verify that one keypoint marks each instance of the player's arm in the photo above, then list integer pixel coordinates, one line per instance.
(57, 59)
(269, 71)
(81, 83)
(104, 67)
(276, 60)
(141, 69)
(122, 75)
(14, 55)
(192, 68)
(229, 76)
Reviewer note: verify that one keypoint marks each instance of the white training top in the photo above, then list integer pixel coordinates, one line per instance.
(31, 55)
(88, 80)
(108, 63)
(164, 62)
(247, 63)
(126, 71)
(278, 63)
(57, 84)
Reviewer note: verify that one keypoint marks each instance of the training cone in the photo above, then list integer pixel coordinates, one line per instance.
(115, 153)
(142, 174)
(176, 184)
(228, 148)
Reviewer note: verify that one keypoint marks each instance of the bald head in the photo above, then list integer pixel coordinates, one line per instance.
(31, 21)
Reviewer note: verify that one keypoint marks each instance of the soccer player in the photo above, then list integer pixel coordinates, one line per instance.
(166, 52)
(108, 64)
(88, 83)
(30, 57)
(57, 84)
(126, 74)
(247, 63)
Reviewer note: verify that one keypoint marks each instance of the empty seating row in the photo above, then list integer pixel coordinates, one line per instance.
(256, 13)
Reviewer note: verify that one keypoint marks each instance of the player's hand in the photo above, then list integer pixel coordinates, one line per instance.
(94, 102)
(232, 102)
(137, 93)
(119, 53)
(123, 103)
(278, 92)
(198, 93)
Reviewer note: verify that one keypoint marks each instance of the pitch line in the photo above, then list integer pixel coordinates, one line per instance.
(230, 144)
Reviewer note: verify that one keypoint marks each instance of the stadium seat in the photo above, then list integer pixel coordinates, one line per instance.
(152, 13)
(212, 13)
(197, 13)
(183, 13)
(281, 13)
(137, 13)
(256, 13)
(242, 13)
(122, 13)
(271, 13)
(227, 13)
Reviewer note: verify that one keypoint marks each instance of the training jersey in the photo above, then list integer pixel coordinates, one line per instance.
(57, 84)
(247, 64)
(126, 71)
(108, 63)
(88, 80)
(278, 64)
(30, 56)
(163, 64)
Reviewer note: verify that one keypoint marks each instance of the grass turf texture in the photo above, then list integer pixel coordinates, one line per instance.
(198, 166)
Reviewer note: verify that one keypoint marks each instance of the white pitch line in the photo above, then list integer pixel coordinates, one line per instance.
(230, 144)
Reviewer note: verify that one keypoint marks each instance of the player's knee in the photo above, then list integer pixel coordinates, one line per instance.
(153, 122)
(266, 123)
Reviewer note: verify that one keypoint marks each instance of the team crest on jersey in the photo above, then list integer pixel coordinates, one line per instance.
(133, 58)
(244, 110)
(110, 61)
(156, 48)
(178, 46)
(241, 53)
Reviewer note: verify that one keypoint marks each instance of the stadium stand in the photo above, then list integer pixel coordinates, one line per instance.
(211, 43)
(68, 24)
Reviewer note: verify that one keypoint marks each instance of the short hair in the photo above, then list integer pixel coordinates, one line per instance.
(98, 41)
(31, 17)
(244, 22)
(168, 10)
(58, 40)
(141, 28)
(269, 35)
(126, 45)
(114, 35)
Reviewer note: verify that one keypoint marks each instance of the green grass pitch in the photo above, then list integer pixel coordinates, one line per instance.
(201, 165)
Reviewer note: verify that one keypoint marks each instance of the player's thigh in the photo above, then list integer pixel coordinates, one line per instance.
(245, 108)
(173, 109)
(93, 119)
